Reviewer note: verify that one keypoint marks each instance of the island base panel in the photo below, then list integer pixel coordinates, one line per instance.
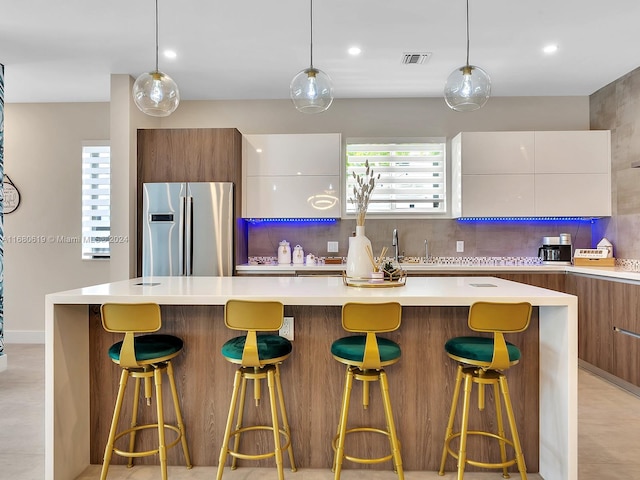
(421, 387)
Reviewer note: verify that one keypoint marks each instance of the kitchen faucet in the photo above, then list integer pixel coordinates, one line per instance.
(395, 244)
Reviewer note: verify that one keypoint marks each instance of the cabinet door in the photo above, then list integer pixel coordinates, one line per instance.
(595, 320)
(573, 195)
(497, 153)
(586, 151)
(626, 321)
(295, 154)
(497, 195)
(293, 197)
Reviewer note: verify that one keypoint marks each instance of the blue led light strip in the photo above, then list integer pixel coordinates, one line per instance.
(525, 219)
(291, 220)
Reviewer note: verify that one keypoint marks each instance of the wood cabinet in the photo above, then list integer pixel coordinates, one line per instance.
(607, 311)
(292, 176)
(595, 315)
(521, 174)
(193, 155)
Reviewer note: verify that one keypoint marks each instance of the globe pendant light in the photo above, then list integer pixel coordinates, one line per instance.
(155, 93)
(311, 89)
(468, 88)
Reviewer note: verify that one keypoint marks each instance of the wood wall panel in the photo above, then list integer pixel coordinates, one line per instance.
(421, 386)
(193, 155)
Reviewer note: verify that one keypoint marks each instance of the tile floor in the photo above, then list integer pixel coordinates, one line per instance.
(608, 444)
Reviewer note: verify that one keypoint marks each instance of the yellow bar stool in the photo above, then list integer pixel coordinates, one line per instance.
(482, 361)
(259, 357)
(365, 357)
(142, 357)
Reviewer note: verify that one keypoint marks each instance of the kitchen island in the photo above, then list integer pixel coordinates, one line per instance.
(81, 381)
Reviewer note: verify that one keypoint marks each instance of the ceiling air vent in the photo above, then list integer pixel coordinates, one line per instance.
(415, 58)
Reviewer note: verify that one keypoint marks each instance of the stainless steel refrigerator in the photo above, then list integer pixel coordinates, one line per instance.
(187, 229)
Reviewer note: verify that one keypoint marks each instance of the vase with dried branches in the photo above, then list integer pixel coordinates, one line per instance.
(358, 263)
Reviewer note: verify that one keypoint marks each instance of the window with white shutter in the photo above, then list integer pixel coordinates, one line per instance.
(96, 202)
(412, 176)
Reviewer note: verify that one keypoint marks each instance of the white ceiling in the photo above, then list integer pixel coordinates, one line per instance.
(65, 50)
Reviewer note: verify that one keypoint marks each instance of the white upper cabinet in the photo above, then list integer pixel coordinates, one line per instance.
(498, 153)
(586, 151)
(291, 175)
(538, 174)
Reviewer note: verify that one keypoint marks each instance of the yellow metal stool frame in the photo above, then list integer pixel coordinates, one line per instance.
(496, 318)
(131, 319)
(371, 319)
(256, 316)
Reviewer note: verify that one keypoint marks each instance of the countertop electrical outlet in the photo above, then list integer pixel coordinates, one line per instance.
(287, 328)
(332, 247)
(460, 246)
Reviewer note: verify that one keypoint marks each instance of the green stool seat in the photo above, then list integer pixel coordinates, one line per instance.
(269, 347)
(352, 348)
(149, 347)
(479, 349)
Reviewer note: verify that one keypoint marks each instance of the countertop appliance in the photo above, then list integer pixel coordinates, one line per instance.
(187, 229)
(556, 250)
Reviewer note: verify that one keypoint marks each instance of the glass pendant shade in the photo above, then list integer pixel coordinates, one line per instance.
(468, 88)
(311, 91)
(156, 94)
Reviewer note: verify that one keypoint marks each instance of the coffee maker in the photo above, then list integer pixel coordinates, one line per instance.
(556, 250)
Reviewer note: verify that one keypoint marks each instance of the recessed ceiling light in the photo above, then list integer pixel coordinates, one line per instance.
(170, 54)
(355, 51)
(549, 49)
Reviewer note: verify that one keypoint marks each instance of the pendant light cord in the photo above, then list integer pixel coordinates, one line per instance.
(311, 34)
(467, 32)
(157, 35)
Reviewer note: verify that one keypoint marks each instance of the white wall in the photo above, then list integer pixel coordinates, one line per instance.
(42, 156)
(43, 147)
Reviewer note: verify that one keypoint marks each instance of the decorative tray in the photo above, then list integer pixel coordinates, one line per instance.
(397, 280)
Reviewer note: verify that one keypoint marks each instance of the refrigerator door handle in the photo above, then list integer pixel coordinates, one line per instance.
(188, 236)
(181, 238)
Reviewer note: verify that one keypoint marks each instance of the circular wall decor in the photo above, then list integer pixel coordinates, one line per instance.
(10, 196)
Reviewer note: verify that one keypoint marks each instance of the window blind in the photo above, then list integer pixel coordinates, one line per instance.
(412, 176)
(96, 201)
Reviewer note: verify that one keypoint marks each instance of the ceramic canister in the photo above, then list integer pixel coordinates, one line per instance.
(298, 254)
(284, 252)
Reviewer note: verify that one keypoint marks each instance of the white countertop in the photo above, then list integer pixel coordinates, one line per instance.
(617, 273)
(319, 290)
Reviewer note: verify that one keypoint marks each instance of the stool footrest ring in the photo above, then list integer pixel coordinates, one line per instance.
(476, 463)
(258, 456)
(145, 453)
(359, 459)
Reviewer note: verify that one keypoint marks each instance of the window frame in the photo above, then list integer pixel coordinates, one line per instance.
(397, 214)
(94, 253)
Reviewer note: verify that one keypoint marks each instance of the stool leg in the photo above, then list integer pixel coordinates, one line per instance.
(108, 450)
(134, 420)
(365, 395)
(285, 419)
(452, 416)
(500, 424)
(462, 454)
(522, 468)
(339, 429)
(271, 382)
(236, 437)
(180, 421)
(237, 380)
(395, 444)
(342, 425)
(162, 447)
